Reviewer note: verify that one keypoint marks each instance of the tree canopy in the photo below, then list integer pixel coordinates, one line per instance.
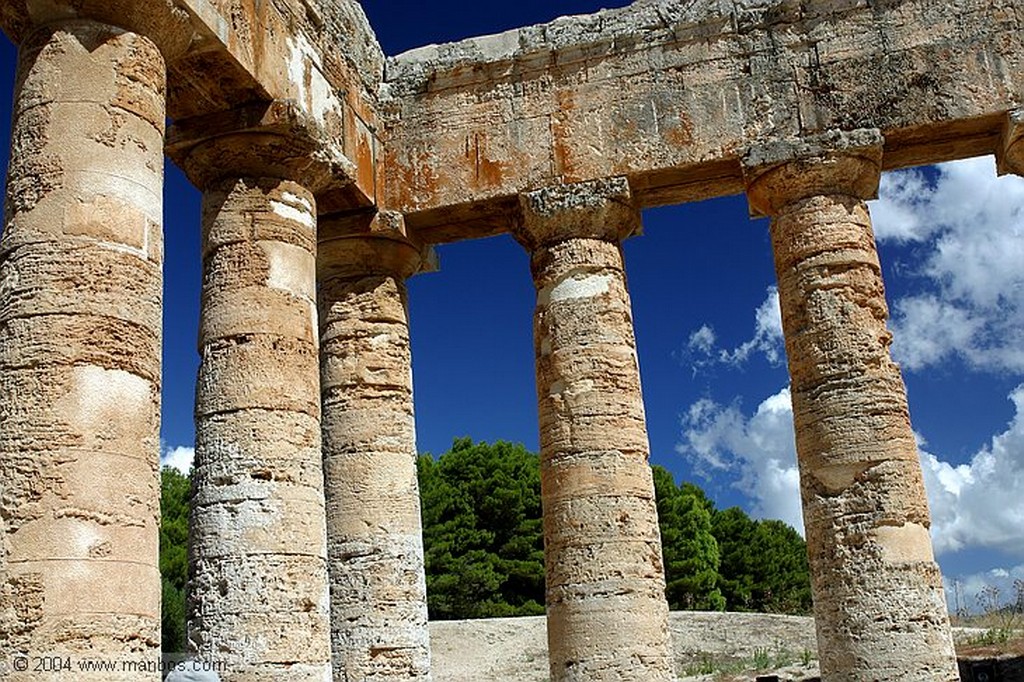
(763, 564)
(175, 494)
(688, 546)
(483, 543)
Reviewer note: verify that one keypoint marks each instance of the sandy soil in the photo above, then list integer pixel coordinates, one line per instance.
(709, 647)
(515, 649)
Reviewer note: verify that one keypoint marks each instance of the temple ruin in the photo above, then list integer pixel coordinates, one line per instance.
(328, 171)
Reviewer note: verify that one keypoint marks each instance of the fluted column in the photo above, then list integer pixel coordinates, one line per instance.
(374, 532)
(878, 599)
(606, 607)
(80, 339)
(258, 593)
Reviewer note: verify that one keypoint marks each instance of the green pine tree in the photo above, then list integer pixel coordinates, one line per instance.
(482, 531)
(784, 581)
(175, 494)
(763, 564)
(689, 549)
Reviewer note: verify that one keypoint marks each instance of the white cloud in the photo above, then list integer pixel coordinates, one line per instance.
(970, 226)
(974, 506)
(767, 340)
(928, 329)
(980, 504)
(899, 213)
(179, 458)
(703, 340)
(760, 450)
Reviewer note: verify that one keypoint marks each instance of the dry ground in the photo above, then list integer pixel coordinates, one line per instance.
(515, 649)
(709, 647)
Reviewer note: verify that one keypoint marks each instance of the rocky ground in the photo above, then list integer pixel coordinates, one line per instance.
(716, 647)
(709, 647)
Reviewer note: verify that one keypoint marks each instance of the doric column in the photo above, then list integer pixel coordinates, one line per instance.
(374, 533)
(878, 598)
(258, 592)
(80, 336)
(607, 614)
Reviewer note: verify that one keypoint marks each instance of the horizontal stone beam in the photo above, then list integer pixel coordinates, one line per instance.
(670, 95)
(320, 55)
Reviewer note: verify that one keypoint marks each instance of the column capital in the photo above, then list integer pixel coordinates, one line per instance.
(597, 209)
(162, 21)
(1010, 152)
(266, 139)
(837, 162)
(370, 243)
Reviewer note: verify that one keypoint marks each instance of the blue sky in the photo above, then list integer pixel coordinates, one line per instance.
(715, 384)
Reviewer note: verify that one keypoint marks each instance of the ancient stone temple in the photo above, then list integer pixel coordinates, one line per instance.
(328, 173)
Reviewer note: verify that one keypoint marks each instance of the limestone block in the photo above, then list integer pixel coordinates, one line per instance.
(595, 473)
(597, 627)
(261, 372)
(290, 220)
(279, 644)
(240, 453)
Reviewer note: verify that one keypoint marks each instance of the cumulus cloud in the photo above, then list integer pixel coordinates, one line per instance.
(767, 339)
(966, 226)
(760, 449)
(179, 458)
(969, 227)
(977, 505)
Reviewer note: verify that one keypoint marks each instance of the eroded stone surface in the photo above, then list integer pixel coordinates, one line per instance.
(607, 614)
(878, 599)
(258, 594)
(321, 56)
(671, 94)
(651, 104)
(1010, 153)
(375, 537)
(80, 328)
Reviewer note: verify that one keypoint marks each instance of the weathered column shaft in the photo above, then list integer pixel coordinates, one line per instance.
(607, 613)
(374, 532)
(878, 598)
(258, 597)
(80, 335)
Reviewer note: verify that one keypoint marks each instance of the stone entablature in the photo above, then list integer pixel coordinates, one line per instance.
(671, 95)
